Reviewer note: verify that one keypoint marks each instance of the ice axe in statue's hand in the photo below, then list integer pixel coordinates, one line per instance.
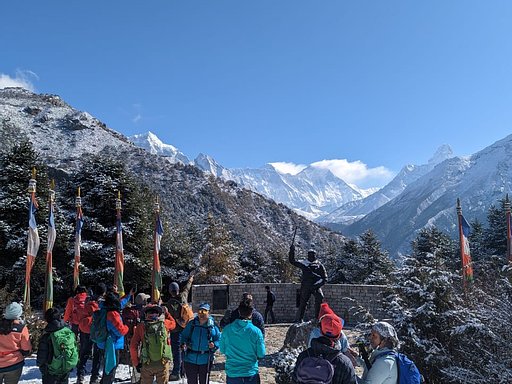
(292, 245)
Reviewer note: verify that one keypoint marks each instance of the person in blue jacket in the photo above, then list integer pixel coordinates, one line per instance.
(243, 345)
(199, 340)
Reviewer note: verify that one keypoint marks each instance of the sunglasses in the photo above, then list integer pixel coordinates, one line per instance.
(202, 311)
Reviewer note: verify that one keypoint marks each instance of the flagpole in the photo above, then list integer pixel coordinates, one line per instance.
(461, 236)
(78, 239)
(156, 274)
(509, 229)
(32, 238)
(48, 281)
(119, 257)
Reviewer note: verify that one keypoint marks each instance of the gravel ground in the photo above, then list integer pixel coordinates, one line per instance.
(274, 338)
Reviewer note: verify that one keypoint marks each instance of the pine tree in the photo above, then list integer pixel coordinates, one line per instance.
(99, 180)
(496, 232)
(16, 166)
(219, 257)
(377, 264)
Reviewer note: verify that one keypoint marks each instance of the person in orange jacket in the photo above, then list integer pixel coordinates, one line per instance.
(152, 368)
(75, 308)
(14, 344)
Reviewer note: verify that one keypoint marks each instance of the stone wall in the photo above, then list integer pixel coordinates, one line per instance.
(345, 299)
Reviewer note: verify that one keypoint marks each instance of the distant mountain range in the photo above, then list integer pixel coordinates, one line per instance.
(64, 137)
(418, 196)
(315, 193)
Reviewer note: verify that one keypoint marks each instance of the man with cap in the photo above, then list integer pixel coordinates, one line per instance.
(314, 276)
(14, 344)
(149, 366)
(383, 368)
(325, 347)
(200, 340)
(174, 306)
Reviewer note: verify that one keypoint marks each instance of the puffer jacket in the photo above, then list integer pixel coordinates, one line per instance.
(45, 348)
(343, 369)
(243, 345)
(116, 329)
(384, 369)
(75, 308)
(85, 323)
(14, 346)
(197, 338)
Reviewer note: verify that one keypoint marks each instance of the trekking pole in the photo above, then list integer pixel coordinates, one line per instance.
(364, 355)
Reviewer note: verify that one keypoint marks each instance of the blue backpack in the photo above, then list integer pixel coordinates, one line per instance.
(408, 373)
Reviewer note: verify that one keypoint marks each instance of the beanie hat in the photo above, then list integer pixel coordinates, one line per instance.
(174, 287)
(324, 310)
(331, 326)
(13, 311)
(386, 331)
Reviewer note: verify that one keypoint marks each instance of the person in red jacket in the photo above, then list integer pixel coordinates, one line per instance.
(75, 308)
(158, 369)
(87, 347)
(14, 344)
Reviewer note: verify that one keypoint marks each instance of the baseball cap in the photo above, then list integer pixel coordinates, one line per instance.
(141, 298)
(205, 306)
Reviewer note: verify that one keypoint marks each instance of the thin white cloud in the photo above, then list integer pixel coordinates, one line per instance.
(22, 79)
(357, 172)
(138, 114)
(290, 168)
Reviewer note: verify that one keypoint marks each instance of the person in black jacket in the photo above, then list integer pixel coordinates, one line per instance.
(53, 317)
(256, 318)
(314, 276)
(324, 347)
(269, 308)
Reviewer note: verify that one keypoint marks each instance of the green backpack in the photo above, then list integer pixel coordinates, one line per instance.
(155, 346)
(65, 352)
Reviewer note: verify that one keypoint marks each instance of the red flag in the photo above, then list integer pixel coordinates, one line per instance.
(467, 266)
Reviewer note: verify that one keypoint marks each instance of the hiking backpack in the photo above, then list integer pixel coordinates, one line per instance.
(65, 352)
(78, 312)
(155, 346)
(186, 315)
(131, 317)
(99, 332)
(408, 373)
(315, 370)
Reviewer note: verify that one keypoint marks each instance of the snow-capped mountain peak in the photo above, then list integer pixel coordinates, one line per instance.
(150, 142)
(442, 153)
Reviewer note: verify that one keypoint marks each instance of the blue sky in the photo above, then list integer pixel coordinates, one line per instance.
(373, 84)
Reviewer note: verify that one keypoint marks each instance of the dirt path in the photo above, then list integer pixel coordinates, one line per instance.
(274, 338)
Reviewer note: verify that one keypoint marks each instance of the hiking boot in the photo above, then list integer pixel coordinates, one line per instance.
(174, 377)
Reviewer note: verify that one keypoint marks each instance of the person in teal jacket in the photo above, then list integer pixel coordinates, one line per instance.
(199, 340)
(243, 345)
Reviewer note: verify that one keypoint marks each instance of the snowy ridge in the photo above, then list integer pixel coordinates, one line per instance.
(353, 211)
(154, 145)
(479, 181)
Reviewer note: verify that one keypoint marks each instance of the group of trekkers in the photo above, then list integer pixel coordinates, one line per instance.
(100, 325)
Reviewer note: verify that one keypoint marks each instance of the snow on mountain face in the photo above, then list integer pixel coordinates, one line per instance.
(312, 192)
(356, 210)
(154, 145)
(479, 181)
(50, 123)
